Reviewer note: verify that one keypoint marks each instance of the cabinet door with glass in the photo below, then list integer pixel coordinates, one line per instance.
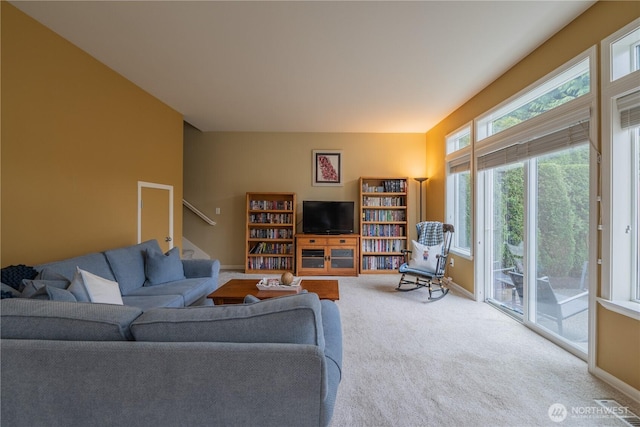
(321, 255)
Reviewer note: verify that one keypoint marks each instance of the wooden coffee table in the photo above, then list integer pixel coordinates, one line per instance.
(234, 291)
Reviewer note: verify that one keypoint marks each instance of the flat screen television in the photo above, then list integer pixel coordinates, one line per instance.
(327, 217)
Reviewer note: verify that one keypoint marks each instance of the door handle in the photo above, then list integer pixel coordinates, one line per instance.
(168, 239)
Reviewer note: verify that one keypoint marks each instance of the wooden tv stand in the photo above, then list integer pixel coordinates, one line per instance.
(327, 254)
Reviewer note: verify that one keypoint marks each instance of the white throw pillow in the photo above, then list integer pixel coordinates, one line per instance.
(100, 289)
(425, 257)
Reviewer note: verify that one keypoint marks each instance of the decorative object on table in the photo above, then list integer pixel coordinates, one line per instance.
(286, 278)
(327, 168)
(266, 284)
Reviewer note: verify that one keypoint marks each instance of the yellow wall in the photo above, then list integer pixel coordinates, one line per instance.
(618, 343)
(221, 167)
(76, 139)
(618, 350)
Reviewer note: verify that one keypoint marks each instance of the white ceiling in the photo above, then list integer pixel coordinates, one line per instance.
(308, 66)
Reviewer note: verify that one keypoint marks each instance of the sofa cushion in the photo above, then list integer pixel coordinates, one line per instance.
(51, 293)
(163, 268)
(95, 263)
(23, 318)
(290, 319)
(153, 301)
(128, 265)
(191, 289)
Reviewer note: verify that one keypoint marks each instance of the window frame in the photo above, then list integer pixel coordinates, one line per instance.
(453, 158)
(617, 294)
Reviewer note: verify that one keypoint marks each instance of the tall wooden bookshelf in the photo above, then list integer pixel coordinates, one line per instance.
(383, 223)
(269, 243)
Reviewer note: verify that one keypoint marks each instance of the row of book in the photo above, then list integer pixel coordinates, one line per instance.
(271, 233)
(383, 215)
(382, 245)
(382, 262)
(271, 248)
(383, 201)
(271, 218)
(388, 186)
(383, 230)
(271, 205)
(270, 263)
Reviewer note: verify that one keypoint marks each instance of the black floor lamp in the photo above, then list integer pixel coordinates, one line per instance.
(421, 180)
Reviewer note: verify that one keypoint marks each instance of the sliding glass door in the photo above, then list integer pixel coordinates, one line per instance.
(560, 219)
(536, 220)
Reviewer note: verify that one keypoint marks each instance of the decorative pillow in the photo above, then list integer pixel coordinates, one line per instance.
(425, 257)
(89, 287)
(30, 287)
(8, 292)
(163, 268)
(52, 293)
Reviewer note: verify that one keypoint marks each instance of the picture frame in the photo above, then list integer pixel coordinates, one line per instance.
(327, 168)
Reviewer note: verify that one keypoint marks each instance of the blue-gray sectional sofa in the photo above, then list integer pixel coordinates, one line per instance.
(154, 362)
(147, 278)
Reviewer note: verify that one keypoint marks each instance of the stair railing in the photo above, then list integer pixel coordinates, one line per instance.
(198, 212)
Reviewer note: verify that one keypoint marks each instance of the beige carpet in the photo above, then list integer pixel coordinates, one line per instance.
(453, 362)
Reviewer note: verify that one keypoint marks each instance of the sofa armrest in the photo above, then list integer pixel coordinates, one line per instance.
(201, 268)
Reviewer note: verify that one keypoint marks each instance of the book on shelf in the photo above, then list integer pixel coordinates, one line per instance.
(272, 248)
(271, 205)
(383, 201)
(388, 186)
(382, 245)
(270, 263)
(382, 230)
(382, 262)
(270, 218)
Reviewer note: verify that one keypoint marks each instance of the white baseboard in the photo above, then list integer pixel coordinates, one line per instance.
(232, 267)
(616, 383)
(457, 288)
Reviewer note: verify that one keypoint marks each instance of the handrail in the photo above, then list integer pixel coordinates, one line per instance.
(198, 212)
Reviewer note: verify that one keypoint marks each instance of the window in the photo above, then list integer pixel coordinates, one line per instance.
(621, 170)
(624, 54)
(568, 85)
(459, 140)
(458, 208)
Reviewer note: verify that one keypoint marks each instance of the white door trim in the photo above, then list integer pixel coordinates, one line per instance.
(141, 185)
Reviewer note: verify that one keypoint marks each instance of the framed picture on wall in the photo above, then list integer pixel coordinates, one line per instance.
(327, 167)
